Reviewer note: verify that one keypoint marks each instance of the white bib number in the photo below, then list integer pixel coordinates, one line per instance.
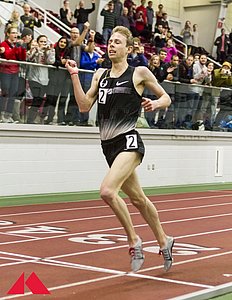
(102, 96)
(131, 141)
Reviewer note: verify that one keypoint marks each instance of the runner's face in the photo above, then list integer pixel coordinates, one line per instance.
(117, 48)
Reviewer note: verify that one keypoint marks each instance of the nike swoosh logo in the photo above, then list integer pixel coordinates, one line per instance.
(120, 83)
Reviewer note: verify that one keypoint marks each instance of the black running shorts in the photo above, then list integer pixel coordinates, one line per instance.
(130, 141)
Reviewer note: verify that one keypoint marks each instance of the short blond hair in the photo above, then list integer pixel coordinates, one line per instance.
(125, 32)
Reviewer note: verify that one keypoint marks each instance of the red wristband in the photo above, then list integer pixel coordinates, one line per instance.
(74, 73)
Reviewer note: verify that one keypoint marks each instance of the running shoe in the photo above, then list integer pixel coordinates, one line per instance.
(137, 256)
(167, 253)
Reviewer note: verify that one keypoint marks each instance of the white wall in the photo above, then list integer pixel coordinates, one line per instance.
(50, 159)
(206, 16)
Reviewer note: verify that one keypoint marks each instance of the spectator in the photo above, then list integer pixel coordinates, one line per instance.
(109, 20)
(150, 17)
(66, 13)
(25, 41)
(165, 21)
(124, 19)
(38, 78)
(29, 20)
(159, 15)
(141, 21)
(118, 8)
(77, 46)
(171, 71)
(196, 57)
(186, 70)
(185, 95)
(9, 49)
(200, 70)
(129, 4)
(222, 78)
(16, 22)
(162, 56)
(171, 50)
(90, 60)
(140, 24)
(222, 43)
(154, 67)
(142, 8)
(59, 84)
(200, 73)
(207, 110)
(195, 38)
(159, 38)
(81, 14)
(136, 57)
(132, 17)
(186, 33)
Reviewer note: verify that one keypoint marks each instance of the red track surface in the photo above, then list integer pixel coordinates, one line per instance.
(79, 251)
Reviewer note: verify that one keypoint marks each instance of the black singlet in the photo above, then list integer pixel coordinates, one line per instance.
(119, 104)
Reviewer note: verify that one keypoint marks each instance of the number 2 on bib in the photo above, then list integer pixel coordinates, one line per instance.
(131, 141)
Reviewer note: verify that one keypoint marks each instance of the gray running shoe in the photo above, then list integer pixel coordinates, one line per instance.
(137, 256)
(167, 253)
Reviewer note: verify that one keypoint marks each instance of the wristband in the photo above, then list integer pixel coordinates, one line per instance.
(74, 73)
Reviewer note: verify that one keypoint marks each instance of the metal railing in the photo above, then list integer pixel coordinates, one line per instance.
(186, 99)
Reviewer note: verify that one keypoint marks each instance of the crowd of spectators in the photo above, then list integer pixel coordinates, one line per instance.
(188, 80)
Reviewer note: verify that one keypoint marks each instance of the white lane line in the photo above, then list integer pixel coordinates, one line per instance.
(219, 290)
(18, 235)
(144, 243)
(109, 216)
(116, 272)
(31, 259)
(119, 274)
(112, 229)
(64, 286)
(108, 271)
(106, 206)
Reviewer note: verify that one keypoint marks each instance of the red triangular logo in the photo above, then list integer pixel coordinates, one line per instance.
(17, 287)
(36, 285)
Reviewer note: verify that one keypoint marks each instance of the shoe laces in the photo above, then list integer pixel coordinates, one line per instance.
(136, 252)
(165, 254)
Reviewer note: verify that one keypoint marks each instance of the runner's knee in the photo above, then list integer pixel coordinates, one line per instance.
(107, 194)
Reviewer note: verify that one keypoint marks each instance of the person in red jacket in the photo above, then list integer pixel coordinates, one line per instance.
(10, 49)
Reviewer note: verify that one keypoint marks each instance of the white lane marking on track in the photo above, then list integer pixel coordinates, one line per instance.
(106, 206)
(110, 277)
(227, 275)
(61, 263)
(19, 235)
(110, 271)
(109, 216)
(144, 243)
(112, 229)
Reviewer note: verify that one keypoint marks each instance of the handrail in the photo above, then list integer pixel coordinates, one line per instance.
(38, 65)
(90, 71)
(214, 61)
(185, 45)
